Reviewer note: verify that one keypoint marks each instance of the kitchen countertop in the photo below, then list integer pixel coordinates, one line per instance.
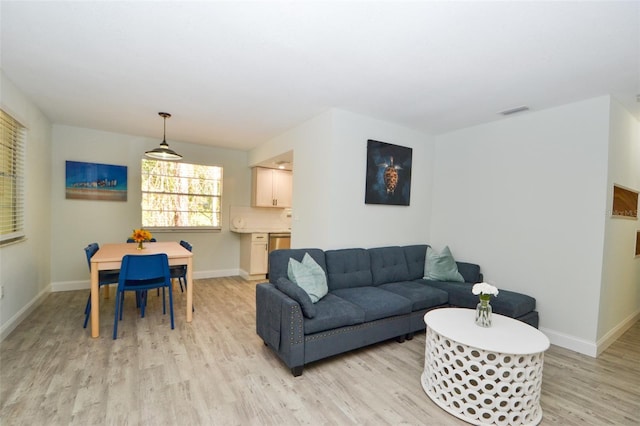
(260, 230)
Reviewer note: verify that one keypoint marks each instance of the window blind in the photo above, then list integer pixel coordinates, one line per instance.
(181, 195)
(12, 153)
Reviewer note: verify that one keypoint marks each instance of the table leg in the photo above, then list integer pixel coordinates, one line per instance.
(95, 302)
(189, 290)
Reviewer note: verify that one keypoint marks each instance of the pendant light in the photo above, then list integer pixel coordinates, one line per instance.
(163, 152)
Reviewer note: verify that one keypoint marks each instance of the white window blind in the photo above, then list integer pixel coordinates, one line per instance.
(12, 152)
(180, 195)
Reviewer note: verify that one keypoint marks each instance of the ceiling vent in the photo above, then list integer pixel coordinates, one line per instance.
(514, 110)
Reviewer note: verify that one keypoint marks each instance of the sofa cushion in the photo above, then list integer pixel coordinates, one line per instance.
(279, 261)
(441, 266)
(308, 275)
(298, 294)
(333, 312)
(348, 268)
(421, 295)
(375, 302)
(470, 272)
(388, 265)
(414, 256)
(508, 303)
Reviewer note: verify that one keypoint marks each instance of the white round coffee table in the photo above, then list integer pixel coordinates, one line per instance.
(484, 375)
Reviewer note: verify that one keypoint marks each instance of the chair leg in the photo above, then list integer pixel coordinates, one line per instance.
(87, 311)
(143, 302)
(164, 305)
(115, 316)
(171, 307)
(121, 296)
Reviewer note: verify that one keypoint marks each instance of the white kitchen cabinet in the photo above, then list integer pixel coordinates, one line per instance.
(271, 187)
(254, 255)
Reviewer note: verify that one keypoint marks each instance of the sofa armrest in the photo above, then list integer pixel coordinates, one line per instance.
(280, 324)
(470, 272)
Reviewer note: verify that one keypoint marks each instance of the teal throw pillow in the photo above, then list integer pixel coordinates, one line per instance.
(310, 276)
(441, 266)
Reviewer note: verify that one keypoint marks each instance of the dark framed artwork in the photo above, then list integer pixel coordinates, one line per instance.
(638, 243)
(388, 174)
(625, 202)
(93, 181)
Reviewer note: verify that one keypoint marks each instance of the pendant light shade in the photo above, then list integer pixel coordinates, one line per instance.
(163, 152)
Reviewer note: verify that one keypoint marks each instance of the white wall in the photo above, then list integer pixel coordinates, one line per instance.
(354, 223)
(525, 198)
(24, 266)
(620, 292)
(311, 145)
(79, 222)
(330, 158)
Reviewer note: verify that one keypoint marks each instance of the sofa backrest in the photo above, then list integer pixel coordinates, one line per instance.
(358, 267)
(388, 264)
(347, 268)
(414, 256)
(279, 261)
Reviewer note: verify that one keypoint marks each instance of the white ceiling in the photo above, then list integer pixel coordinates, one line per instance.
(235, 74)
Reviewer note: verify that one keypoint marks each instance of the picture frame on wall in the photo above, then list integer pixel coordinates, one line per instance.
(625, 202)
(638, 243)
(388, 178)
(95, 181)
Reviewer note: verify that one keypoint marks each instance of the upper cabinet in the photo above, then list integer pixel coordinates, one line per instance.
(271, 187)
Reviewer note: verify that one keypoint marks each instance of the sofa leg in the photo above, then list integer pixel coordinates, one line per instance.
(410, 336)
(400, 339)
(297, 371)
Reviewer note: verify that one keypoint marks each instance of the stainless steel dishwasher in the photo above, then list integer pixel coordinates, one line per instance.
(281, 240)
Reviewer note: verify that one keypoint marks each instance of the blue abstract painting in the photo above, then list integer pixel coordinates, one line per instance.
(93, 181)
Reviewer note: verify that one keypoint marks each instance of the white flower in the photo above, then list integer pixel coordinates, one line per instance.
(484, 288)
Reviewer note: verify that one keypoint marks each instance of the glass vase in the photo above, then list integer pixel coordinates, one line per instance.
(140, 245)
(483, 311)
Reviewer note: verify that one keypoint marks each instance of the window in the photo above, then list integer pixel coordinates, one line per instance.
(181, 195)
(11, 179)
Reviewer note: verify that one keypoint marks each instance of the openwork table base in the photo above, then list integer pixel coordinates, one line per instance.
(482, 387)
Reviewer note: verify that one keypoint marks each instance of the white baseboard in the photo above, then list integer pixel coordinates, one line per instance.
(15, 320)
(256, 277)
(86, 284)
(571, 342)
(616, 332)
(199, 275)
(70, 285)
(591, 348)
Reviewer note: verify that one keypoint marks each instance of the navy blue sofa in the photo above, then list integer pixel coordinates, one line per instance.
(374, 295)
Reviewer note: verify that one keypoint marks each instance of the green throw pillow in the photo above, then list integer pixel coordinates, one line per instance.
(310, 276)
(441, 266)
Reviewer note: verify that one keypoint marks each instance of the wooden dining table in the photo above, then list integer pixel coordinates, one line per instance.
(109, 256)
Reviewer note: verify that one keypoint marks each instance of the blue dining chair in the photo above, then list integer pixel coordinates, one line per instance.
(179, 272)
(104, 278)
(131, 240)
(140, 273)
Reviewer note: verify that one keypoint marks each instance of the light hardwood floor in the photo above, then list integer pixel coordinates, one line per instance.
(216, 371)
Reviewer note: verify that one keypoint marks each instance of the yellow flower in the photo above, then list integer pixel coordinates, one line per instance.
(140, 235)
